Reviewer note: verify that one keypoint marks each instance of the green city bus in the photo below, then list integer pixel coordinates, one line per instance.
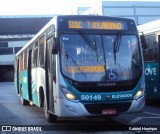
(151, 53)
(83, 66)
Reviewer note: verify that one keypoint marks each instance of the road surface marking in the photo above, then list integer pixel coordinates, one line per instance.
(140, 118)
(135, 120)
(152, 113)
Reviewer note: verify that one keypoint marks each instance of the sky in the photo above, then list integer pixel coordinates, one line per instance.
(42, 7)
(46, 7)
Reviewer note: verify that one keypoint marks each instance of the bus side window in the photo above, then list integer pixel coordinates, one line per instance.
(25, 60)
(151, 53)
(21, 62)
(41, 51)
(35, 55)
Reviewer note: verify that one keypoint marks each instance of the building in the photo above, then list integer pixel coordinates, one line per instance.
(140, 11)
(15, 32)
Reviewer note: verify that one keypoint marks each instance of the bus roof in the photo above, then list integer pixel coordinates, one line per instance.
(51, 22)
(150, 27)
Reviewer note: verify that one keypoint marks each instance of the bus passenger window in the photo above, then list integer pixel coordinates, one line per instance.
(41, 51)
(151, 53)
(34, 57)
(25, 60)
(21, 63)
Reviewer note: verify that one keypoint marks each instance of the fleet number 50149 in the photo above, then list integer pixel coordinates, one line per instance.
(91, 97)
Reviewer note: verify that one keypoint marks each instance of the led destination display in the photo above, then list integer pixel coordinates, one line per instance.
(108, 25)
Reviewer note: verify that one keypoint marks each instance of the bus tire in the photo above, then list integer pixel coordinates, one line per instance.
(23, 101)
(50, 117)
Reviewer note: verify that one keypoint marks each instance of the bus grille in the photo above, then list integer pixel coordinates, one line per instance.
(97, 108)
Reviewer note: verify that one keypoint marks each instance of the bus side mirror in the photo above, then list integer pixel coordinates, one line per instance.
(55, 50)
(143, 41)
(54, 46)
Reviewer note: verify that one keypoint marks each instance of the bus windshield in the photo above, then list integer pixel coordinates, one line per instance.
(96, 61)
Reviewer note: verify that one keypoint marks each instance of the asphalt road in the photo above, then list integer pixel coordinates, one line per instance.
(14, 115)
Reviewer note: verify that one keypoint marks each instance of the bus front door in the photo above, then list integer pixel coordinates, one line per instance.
(49, 76)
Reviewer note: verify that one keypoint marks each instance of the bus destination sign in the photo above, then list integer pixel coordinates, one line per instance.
(106, 25)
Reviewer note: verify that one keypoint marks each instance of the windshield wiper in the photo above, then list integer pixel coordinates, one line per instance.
(90, 43)
(88, 40)
(116, 45)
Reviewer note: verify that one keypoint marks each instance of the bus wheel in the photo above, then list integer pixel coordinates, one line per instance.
(23, 101)
(50, 117)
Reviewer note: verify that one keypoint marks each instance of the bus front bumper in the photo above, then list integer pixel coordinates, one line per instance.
(77, 109)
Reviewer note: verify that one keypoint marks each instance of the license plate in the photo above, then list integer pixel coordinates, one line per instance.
(109, 111)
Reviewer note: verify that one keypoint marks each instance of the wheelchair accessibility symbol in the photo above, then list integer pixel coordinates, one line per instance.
(112, 74)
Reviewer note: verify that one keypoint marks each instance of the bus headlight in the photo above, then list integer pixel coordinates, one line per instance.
(70, 96)
(140, 92)
(67, 93)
